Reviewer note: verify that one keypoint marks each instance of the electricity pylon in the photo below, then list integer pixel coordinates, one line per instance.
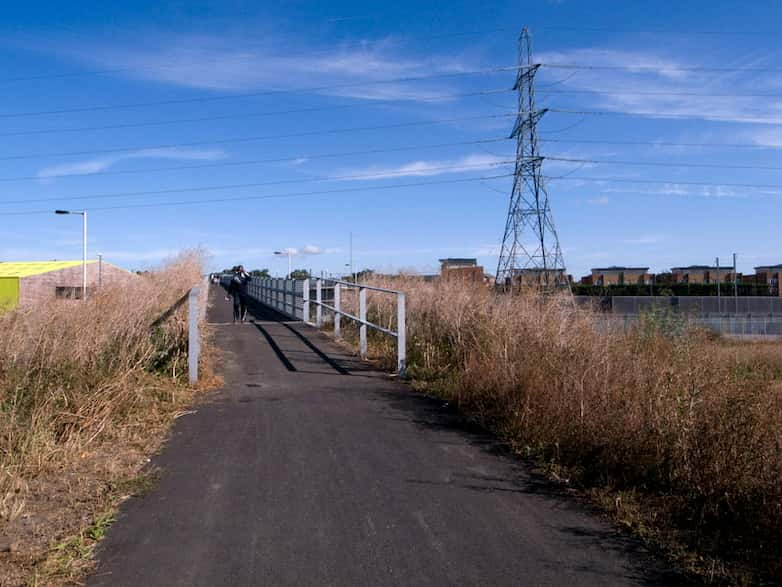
(530, 253)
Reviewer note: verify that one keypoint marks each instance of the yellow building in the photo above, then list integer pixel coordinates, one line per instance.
(27, 283)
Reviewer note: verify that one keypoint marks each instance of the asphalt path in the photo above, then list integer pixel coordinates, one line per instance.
(309, 468)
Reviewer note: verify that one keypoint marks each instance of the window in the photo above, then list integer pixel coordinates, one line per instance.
(68, 292)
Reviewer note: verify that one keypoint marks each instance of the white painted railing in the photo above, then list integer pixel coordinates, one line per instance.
(338, 313)
(292, 298)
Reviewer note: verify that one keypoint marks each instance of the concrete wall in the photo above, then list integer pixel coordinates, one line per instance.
(41, 288)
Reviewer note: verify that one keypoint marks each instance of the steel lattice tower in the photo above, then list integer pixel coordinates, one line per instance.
(530, 251)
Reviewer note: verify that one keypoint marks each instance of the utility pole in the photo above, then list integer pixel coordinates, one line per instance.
(288, 252)
(83, 214)
(719, 305)
(352, 269)
(735, 284)
(530, 245)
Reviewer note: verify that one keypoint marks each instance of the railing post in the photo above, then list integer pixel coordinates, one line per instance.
(318, 299)
(193, 340)
(337, 306)
(305, 307)
(401, 335)
(362, 314)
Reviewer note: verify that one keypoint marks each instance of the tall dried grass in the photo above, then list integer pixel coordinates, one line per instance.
(74, 373)
(688, 423)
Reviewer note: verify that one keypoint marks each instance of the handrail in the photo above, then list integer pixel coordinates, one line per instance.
(193, 336)
(362, 286)
(336, 310)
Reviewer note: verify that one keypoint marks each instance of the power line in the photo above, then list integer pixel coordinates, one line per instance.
(661, 31)
(668, 182)
(270, 196)
(339, 47)
(659, 143)
(683, 94)
(674, 116)
(307, 90)
(655, 68)
(254, 138)
(255, 161)
(665, 164)
(209, 188)
(378, 102)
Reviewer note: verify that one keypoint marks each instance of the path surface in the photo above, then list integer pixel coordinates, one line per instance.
(308, 469)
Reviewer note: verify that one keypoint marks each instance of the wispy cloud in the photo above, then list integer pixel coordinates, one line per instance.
(307, 250)
(421, 168)
(101, 164)
(662, 86)
(228, 63)
(648, 239)
(768, 137)
(674, 189)
(599, 201)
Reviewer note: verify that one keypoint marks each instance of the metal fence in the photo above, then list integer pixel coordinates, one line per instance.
(732, 326)
(696, 306)
(295, 298)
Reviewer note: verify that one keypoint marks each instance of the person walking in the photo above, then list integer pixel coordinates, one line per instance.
(237, 289)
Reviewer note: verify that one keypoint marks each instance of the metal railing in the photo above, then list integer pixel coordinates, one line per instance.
(193, 334)
(335, 308)
(294, 298)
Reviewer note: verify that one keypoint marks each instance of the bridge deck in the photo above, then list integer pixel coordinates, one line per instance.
(308, 468)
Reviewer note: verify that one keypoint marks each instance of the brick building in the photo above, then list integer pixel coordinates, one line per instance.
(25, 284)
(702, 274)
(771, 275)
(539, 277)
(605, 276)
(464, 270)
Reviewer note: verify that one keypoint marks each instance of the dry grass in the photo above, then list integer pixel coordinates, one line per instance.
(78, 379)
(683, 432)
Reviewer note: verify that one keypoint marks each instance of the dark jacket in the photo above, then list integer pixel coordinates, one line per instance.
(238, 285)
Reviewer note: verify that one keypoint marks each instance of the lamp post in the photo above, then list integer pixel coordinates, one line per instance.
(83, 214)
(288, 252)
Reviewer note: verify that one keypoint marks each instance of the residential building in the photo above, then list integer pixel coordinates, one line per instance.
(607, 276)
(540, 277)
(771, 275)
(461, 269)
(702, 274)
(27, 283)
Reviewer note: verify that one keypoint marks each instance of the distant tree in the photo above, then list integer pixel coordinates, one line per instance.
(300, 274)
(262, 273)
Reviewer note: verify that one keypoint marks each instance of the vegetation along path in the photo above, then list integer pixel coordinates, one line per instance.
(309, 468)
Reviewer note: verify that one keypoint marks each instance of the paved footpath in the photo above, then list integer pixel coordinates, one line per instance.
(307, 468)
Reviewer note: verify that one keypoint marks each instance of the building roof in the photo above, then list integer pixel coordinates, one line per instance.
(29, 268)
(614, 268)
(703, 268)
(459, 261)
(767, 267)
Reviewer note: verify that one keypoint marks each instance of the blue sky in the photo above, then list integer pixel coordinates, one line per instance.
(277, 100)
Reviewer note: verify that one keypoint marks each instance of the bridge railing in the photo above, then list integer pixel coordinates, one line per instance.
(295, 299)
(335, 288)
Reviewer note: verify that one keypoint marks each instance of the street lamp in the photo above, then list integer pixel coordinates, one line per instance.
(83, 214)
(288, 252)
